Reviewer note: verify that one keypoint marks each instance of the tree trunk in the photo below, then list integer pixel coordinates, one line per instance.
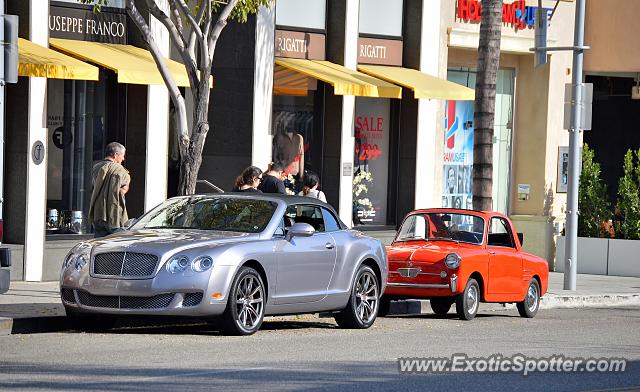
(485, 103)
(191, 157)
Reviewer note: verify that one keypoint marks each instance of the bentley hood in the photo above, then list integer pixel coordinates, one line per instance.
(161, 241)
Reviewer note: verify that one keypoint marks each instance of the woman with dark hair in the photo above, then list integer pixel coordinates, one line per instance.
(272, 179)
(249, 180)
(310, 189)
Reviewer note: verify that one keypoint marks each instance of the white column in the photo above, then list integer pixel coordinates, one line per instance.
(36, 194)
(347, 140)
(157, 144)
(426, 159)
(263, 87)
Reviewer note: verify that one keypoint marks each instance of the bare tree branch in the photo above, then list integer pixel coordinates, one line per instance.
(174, 92)
(217, 28)
(204, 49)
(177, 19)
(177, 39)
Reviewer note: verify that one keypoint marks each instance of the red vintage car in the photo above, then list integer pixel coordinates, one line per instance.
(464, 257)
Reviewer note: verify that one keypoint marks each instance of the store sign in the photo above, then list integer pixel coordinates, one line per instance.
(517, 14)
(379, 51)
(299, 45)
(458, 155)
(84, 25)
(37, 152)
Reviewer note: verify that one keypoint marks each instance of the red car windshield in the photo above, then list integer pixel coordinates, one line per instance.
(443, 227)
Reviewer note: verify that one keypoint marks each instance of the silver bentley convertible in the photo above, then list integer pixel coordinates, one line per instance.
(229, 258)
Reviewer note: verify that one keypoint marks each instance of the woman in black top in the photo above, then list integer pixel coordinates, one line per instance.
(272, 179)
(249, 180)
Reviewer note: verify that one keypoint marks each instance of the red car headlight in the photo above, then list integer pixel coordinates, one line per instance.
(452, 260)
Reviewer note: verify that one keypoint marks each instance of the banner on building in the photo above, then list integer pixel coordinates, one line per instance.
(458, 155)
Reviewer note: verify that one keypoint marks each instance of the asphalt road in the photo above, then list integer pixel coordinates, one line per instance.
(313, 354)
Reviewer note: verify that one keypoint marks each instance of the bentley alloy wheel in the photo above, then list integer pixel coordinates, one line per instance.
(245, 307)
(468, 301)
(362, 308)
(529, 307)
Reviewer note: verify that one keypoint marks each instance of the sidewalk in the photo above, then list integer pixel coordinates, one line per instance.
(36, 305)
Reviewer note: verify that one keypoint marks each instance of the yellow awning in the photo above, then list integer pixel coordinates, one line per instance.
(36, 60)
(422, 84)
(344, 80)
(132, 64)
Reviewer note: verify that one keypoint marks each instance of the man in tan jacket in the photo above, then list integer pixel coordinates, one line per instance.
(108, 210)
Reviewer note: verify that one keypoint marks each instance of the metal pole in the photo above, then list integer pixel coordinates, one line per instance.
(571, 251)
(2, 109)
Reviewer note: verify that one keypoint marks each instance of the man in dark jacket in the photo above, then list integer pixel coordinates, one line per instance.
(108, 211)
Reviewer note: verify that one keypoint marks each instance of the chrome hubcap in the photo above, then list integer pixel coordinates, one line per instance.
(472, 300)
(249, 302)
(366, 297)
(532, 298)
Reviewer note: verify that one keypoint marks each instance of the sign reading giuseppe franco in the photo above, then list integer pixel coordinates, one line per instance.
(299, 45)
(379, 51)
(84, 25)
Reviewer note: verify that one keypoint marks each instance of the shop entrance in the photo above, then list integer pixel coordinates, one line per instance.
(614, 127)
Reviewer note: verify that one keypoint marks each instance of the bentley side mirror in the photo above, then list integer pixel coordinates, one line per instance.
(300, 230)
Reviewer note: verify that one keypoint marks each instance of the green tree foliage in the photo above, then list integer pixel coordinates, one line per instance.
(592, 199)
(628, 198)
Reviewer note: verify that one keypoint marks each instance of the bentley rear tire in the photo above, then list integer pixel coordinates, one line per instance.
(362, 308)
(468, 301)
(441, 306)
(245, 306)
(529, 307)
(384, 307)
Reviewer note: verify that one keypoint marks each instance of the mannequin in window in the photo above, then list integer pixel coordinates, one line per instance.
(288, 148)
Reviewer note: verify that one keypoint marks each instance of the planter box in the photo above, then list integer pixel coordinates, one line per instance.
(624, 258)
(592, 255)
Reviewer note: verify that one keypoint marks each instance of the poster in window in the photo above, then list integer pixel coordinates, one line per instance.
(563, 169)
(458, 155)
(371, 161)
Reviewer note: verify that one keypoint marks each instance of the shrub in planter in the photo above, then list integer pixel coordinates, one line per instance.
(628, 198)
(592, 199)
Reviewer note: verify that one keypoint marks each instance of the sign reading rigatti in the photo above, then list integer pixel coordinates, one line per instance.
(84, 25)
(299, 45)
(379, 51)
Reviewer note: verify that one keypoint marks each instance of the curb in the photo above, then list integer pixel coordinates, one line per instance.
(549, 301)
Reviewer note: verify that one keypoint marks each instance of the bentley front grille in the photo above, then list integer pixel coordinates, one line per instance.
(159, 301)
(126, 264)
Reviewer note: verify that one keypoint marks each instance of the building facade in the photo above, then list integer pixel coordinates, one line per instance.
(374, 96)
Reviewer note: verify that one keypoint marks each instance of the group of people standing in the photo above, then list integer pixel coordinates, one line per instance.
(253, 179)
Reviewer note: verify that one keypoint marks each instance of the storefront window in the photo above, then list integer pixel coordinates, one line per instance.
(112, 3)
(81, 119)
(381, 17)
(294, 136)
(458, 151)
(308, 14)
(371, 161)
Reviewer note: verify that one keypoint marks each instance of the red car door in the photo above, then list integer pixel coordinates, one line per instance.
(505, 262)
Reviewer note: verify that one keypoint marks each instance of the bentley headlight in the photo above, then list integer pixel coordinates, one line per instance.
(202, 264)
(78, 256)
(452, 260)
(178, 264)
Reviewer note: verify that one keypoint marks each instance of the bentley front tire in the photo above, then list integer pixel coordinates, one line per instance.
(362, 308)
(468, 302)
(441, 306)
(245, 306)
(529, 307)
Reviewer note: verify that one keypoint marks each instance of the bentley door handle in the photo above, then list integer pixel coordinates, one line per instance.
(491, 252)
(329, 245)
